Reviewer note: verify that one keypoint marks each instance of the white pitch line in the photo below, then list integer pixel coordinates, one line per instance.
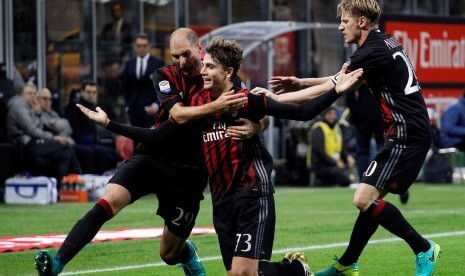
(306, 248)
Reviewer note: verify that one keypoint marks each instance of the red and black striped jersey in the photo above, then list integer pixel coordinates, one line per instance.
(391, 78)
(235, 167)
(173, 87)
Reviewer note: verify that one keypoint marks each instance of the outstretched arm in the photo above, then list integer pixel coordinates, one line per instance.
(282, 84)
(146, 135)
(310, 109)
(300, 96)
(300, 112)
(308, 89)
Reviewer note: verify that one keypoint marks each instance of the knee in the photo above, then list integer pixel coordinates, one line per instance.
(115, 205)
(361, 202)
(117, 199)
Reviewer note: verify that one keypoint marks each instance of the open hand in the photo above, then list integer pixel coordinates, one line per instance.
(282, 84)
(347, 82)
(245, 130)
(266, 92)
(229, 101)
(99, 116)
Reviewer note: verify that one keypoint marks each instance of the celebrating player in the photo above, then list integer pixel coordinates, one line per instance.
(391, 78)
(173, 172)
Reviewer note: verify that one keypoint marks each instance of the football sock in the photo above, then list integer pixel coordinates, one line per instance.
(365, 226)
(84, 231)
(387, 215)
(392, 220)
(283, 268)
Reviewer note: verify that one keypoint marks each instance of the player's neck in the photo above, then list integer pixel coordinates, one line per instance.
(222, 89)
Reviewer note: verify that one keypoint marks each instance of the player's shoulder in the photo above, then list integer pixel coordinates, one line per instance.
(373, 49)
(168, 72)
(169, 69)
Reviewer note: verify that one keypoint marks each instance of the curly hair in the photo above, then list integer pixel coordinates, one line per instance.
(226, 52)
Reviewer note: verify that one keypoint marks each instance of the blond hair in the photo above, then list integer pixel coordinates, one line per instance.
(357, 8)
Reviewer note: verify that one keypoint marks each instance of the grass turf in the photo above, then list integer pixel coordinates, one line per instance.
(317, 221)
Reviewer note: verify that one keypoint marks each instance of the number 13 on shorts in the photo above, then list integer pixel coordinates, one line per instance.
(243, 243)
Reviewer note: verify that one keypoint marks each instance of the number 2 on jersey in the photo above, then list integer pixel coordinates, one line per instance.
(411, 86)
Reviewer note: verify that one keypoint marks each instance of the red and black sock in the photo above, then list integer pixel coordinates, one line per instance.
(84, 231)
(387, 215)
(365, 226)
(392, 220)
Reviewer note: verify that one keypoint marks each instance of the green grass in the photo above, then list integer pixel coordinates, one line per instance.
(307, 219)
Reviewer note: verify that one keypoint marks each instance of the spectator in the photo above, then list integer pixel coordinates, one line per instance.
(452, 131)
(52, 121)
(329, 159)
(46, 153)
(95, 158)
(116, 35)
(140, 96)
(56, 124)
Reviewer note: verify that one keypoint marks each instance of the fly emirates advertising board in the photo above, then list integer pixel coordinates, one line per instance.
(436, 47)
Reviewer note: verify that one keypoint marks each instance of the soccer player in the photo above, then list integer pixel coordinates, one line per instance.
(174, 170)
(239, 175)
(391, 78)
(239, 170)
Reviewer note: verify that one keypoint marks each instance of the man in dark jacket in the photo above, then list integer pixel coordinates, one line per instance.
(116, 36)
(140, 96)
(94, 157)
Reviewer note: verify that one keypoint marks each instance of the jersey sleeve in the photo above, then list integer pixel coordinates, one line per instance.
(299, 112)
(248, 112)
(164, 81)
(152, 136)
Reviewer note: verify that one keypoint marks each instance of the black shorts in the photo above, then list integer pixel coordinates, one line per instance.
(395, 169)
(179, 190)
(245, 228)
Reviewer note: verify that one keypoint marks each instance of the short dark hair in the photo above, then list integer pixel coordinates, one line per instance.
(227, 52)
(117, 3)
(142, 36)
(86, 83)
